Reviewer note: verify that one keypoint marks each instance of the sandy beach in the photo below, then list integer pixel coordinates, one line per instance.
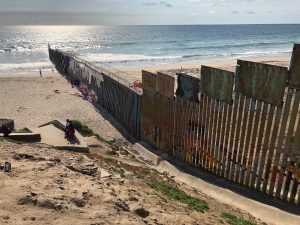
(134, 73)
(32, 100)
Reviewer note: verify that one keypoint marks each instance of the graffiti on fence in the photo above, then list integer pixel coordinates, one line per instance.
(245, 126)
(120, 100)
(88, 94)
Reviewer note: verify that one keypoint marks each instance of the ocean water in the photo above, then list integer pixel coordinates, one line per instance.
(25, 47)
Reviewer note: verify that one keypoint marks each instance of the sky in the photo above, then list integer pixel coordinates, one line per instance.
(139, 12)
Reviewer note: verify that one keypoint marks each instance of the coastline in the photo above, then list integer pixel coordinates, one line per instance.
(193, 67)
(32, 100)
(132, 73)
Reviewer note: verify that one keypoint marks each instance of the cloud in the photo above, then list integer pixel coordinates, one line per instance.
(234, 12)
(161, 3)
(166, 4)
(227, 2)
(149, 3)
(250, 12)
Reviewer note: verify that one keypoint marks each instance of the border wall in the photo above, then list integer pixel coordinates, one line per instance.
(242, 126)
(111, 92)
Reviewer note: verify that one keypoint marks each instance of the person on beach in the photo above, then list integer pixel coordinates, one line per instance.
(40, 72)
(69, 129)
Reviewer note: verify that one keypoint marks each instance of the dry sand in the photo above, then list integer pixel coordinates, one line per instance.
(133, 74)
(31, 100)
(43, 188)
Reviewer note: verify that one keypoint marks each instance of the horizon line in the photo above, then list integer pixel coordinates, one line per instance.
(108, 25)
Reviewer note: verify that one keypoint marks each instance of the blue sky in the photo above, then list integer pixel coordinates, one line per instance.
(114, 12)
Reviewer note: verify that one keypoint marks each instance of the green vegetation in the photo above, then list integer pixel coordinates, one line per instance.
(120, 171)
(83, 129)
(177, 194)
(234, 220)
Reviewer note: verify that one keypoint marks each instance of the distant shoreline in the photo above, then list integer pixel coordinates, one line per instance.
(128, 25)
(135, 73)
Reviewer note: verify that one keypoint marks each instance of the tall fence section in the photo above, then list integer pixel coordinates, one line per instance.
(110, 91)
(242, 126)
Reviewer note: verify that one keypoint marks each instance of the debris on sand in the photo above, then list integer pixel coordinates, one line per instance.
(7, 167)
(81, 166)
(142, 212)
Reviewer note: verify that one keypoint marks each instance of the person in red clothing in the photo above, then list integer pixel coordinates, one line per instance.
(69, 129)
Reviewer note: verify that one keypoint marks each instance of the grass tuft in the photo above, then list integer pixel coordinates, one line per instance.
(120, 171)
(84, 130)
(179, 195)
(234, 220)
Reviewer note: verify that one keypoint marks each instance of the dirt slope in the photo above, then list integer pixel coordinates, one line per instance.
(49, 186)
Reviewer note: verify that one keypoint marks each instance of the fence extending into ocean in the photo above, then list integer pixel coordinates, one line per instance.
(243, 126)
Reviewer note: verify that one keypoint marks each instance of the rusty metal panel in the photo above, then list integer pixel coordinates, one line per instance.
(294, 70)
(259, 138)
(179, 124)
(252, 144)
(284, 175)
(200, 137)
(165, 121)
(208, 126)
(217, 83)
(203, 120)
(286, 160)
(149, 81)
(268, 160)
(249, 108)
(165, 84)
(147, 117)
(239, 137)
(220, 135)
(226, 139)
(225, 123)
(188, 87)
(280, 141)
(295, 143)
(261, 81)
(264, 148)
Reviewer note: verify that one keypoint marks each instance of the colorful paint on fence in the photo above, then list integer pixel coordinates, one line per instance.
(242, 126)
(101, 89)
(249, 135)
